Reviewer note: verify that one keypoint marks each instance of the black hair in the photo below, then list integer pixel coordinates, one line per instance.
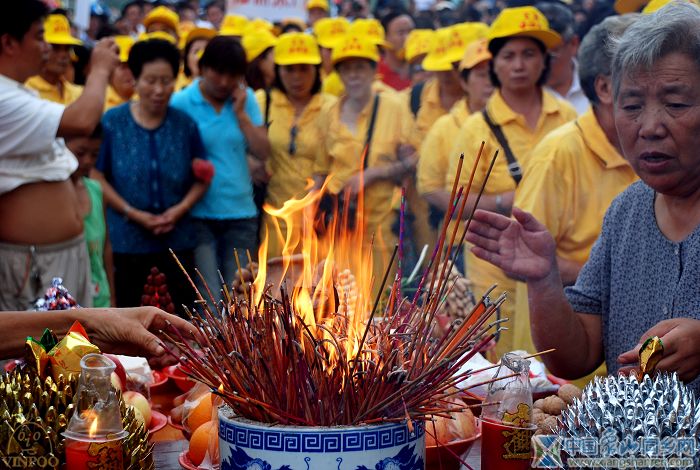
(138, 3)
(145, 52)
(391, 16)
(314, 89)
(495, 45)
(465, 74)
(214, 3)
(18, 16)
(185, 53)
(82, 53)
(253, 74)
(291, 28)
(224, 54)
(95, 134)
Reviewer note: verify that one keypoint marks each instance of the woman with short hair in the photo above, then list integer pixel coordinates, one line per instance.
(292, 115)
(231, 125)
(146, 168)
(517, 116)
(643, 275)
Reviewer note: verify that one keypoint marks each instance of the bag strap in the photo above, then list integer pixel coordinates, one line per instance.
(513, 166)
(416, 93)
(370, 129)
(267, 108)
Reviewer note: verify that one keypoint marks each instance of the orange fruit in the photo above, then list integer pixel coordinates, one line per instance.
(200, 414)
(199, 442)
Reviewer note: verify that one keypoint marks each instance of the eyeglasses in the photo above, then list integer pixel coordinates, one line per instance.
(293, 140)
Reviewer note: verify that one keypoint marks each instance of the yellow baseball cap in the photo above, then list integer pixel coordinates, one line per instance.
(158, 35)
(368, 28)
(471, 31)
(331, 31)
(654, 5)
(164, 15)
(526, 22)
(233, 25)
(257, 24)
(199, 33)
(355, 47)
(418, 43)
(447, 48)
(476, 53)
(124, 44)
(297, 48)
(57, 31)
(257, 42)
(322, 4)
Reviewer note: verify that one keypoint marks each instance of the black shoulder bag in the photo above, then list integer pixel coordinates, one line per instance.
(513, 166)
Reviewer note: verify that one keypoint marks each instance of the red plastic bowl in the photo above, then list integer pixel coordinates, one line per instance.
(158, 422)
(443, 457)
(175, 373)
(159, 378)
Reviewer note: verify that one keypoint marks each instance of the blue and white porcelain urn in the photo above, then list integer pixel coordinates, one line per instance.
(248, 445)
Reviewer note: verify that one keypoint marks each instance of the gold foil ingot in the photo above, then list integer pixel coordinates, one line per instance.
(651, 352)
(66, 355)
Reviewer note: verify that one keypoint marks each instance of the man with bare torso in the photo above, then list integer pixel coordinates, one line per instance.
(40, 224)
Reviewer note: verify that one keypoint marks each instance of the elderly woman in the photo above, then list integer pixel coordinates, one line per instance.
(643, 276)
(517, 116)
(146, 171)
(295, 104)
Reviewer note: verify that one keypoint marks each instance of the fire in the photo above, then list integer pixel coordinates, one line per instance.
(326, 275)
(92, 432)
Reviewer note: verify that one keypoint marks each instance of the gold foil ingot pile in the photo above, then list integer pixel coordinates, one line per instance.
(30, 406)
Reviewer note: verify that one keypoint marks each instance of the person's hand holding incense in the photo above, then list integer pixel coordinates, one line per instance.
(681, 348)
(522, 247)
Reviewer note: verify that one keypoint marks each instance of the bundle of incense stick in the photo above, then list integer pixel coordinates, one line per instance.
(271, 365)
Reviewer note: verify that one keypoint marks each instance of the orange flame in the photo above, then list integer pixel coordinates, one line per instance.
(94, 425)
(321, 267)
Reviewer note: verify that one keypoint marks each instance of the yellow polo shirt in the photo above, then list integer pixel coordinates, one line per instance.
(522, 140)
(570, 181)
(51, 92)
(342, 158)
(290, 174)
(435, 151)
(332, 84)
(430, 108)
(112, 99)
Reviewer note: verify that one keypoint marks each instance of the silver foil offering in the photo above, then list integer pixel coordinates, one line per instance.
(623, 415)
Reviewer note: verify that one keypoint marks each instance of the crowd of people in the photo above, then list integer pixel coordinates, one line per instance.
(168, 126)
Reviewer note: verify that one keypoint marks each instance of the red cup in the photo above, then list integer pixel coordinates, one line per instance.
(505, 447)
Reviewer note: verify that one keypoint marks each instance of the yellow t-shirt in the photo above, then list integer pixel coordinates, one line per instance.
(47, 91)
(290, 174)
(570, 181)
(436, 148)
(430, 109)
(332, 84)
(112, 99)
(522, 140)
(342, 158)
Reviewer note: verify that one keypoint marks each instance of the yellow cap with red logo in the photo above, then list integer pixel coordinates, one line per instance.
(418, 44)
(370, 29)
(331, 31)
(57, 31)
(233, 25)
(163, 15)
(257, 24)
(523, 22)
(447, 48)
(162, 35)
(355, 47)
(257, 42)
(322, 4)
(476, 53)
(297, 48)
(124, 44)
